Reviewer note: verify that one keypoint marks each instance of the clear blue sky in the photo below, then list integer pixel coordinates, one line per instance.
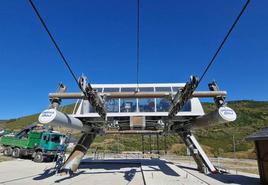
(178, 38)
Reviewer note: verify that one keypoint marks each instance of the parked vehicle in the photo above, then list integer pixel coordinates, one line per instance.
(38, 144)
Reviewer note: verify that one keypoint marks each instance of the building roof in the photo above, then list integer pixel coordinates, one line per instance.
(260, 135)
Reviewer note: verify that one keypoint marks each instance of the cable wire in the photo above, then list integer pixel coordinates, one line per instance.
(54, 42)
(138, 42)
(224, 40)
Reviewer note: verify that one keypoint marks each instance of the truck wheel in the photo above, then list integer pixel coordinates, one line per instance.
(16, 153)
(7, 151)
(38, 157)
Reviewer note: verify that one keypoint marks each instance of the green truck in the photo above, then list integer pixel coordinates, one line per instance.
(38, 144)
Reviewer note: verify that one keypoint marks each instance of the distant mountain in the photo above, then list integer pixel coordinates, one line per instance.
(217, 140)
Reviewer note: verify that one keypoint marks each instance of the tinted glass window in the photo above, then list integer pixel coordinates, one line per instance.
(91, 109)
(128, 89)
(111, 90)
(162, 105)
(163, 89)
(128, 105)
(187, 107)
(112, 105)
(146, 105)
(55, 138)
(175, 89)
(146, 89)
(98, 89)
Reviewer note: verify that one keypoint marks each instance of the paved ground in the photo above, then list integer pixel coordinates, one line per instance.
(117, 171)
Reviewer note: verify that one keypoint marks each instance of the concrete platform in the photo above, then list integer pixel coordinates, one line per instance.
(117, 171)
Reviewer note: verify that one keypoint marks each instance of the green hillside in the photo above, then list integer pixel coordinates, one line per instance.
(19, 123)
(217, 140)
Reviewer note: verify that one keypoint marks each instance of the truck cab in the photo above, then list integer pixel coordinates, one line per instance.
(51, 143)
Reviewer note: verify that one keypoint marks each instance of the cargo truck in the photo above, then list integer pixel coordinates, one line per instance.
(37, 144)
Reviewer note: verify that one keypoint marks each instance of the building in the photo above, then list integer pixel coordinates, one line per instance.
(261, 143)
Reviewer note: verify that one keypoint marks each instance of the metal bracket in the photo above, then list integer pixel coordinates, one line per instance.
(55, 101)
(182, 96)
(219, 100)
(93, 97)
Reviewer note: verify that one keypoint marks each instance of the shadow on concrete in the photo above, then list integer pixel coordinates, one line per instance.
(47, 173)
(235, 179)
(129, 175)
(227, 178)
(114, 166)
(70, 176)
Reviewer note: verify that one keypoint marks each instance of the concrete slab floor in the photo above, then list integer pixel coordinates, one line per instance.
(117, 171)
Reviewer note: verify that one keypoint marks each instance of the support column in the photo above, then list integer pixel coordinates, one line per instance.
(200, 157)
(194, 153)
(79, 151)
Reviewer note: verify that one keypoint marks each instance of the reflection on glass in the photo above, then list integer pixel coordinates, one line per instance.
(175, 89)
(91, 109)
(98, 89)
(128, 89)
(128, 105)
(187, 107)
(162, 89)
(162, 105)
(111, 89)
(112, 105)
(146, 89)
(146, 105)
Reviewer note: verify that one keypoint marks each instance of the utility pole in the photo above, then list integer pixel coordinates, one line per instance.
(234, 151)
(234, 147)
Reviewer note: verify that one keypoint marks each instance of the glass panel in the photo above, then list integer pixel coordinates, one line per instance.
(175, 89)
(112, 105)
(128, 89)
(111, 90)
(55, 138)
(163, 89)
(162, 105)
(91, 109)
(146, 89)
(128, 105)
(146, 105)
(187, 107)
(98, 89)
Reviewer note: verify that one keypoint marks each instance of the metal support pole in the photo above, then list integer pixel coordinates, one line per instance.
(142, 143)
(194, 153)
(157, 143)
(165, 143)
(150, 143)
(200, 157)
(79, 151)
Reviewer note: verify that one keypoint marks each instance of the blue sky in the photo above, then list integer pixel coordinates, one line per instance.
(178, 38)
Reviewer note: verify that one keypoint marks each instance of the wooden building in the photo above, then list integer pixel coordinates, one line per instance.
(261, 143)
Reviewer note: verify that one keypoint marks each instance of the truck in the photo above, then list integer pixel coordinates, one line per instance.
(40, 144)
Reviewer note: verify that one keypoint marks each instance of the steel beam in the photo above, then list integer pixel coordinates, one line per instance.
(196, 94)
(135, 132)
